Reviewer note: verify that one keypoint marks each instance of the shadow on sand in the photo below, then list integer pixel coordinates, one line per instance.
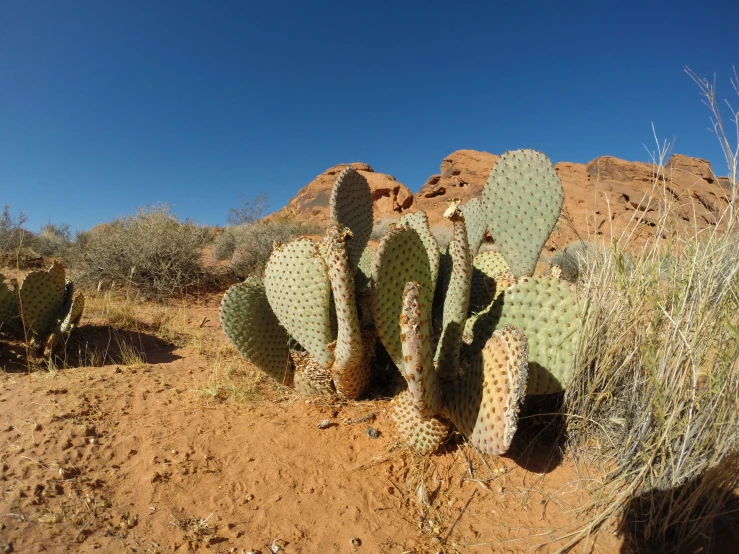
(91, 346)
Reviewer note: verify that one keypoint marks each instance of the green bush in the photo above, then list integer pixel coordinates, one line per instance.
(151, 251)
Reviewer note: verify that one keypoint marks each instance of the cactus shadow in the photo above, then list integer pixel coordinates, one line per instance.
(667, 520)
(539, 443)
(91, 346)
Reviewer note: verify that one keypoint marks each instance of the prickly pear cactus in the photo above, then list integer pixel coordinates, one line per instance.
(476, 221)
(41, 300)
(418, 365)
(483, 403)
(400, 258)
(457, 296)
(523, 198)
(299, 292)
(486, 266)
(419, 222)
(252, 327)
(547, 312)
(424, 435)
(349, 368)
(351, 207)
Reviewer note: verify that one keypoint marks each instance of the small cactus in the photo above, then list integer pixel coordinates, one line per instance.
(43, 310)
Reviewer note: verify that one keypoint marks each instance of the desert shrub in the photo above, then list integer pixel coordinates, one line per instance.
(249, 246)
(381, 226)
(224, 245)
(54, 240)
(443, 234)
(250, 211)
(18, 246)
(151, 251)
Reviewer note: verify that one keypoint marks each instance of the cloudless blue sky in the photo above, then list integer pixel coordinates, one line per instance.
(109, 105)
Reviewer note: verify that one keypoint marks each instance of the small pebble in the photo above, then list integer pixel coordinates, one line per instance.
(372, 432)
(355, 542)
(324, 424)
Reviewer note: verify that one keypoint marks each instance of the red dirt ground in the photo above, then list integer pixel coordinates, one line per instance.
(159, 457)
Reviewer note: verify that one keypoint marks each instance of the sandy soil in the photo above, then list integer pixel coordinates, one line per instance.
(173, 444)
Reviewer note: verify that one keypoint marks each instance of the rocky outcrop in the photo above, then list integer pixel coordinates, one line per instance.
(390, 197)
(605, 197)
(463, 175)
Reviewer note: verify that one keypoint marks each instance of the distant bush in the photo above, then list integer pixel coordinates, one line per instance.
(151, 251)
(248, 246)
(54, 240)
(250, 211)
(18, 246)
(382, 226)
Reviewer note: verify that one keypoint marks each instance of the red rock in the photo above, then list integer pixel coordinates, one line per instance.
(389, 196)
(605, 198)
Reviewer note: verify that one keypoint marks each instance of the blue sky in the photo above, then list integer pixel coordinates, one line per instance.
(109, 105)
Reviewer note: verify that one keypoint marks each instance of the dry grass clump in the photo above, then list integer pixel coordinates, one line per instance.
(657, 382)
(151, 251)
(248, 246)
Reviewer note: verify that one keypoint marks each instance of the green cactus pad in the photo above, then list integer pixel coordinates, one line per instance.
(351, 207)
(41, 299)
(400, 258)
(418, 365)
(252, 327)
(483, 403)
(523, 198)
(546, 310)
(476, 221)
(485, 267)
(299, 292)
(423, 435)
(457, 297)
(419, 222)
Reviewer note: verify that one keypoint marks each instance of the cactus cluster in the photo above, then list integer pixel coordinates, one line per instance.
(43, 310)
(306, 325)
(503, 333)
(472, 333)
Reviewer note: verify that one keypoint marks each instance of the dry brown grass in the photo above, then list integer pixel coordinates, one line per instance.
(656, 388)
